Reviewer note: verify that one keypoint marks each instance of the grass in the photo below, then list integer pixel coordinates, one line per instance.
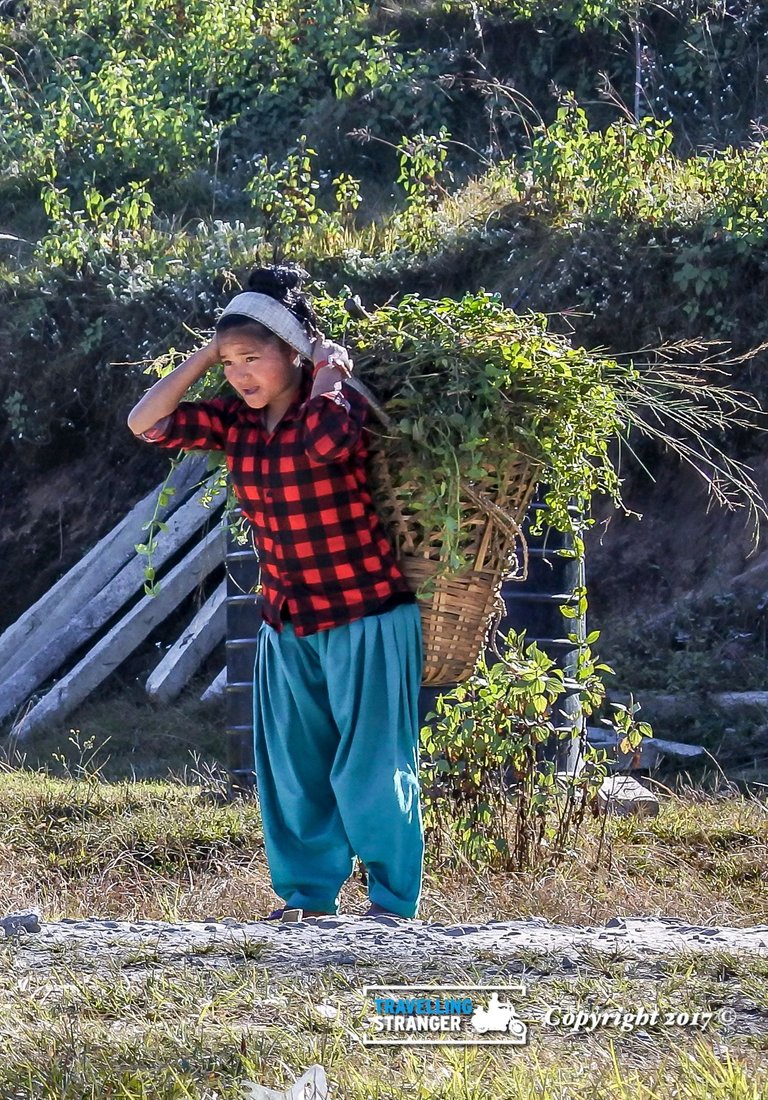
(159, 849)
(150, 1025)
(119, 1032)
(123, 734)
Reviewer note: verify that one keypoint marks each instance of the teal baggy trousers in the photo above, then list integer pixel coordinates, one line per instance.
(336, 745)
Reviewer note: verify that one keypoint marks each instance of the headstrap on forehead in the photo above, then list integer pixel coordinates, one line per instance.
(278, 319)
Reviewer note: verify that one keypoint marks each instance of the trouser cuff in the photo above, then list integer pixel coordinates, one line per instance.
(304, 901)
(381, 896)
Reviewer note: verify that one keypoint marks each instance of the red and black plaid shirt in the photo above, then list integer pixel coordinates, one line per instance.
(322, 548)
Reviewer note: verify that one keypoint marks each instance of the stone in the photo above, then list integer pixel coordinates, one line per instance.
(390, 921)
(312, 1084)
(623, 795)
(291, 916)
(16, 923)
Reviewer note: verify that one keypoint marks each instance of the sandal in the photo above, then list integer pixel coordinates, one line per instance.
(281, 914)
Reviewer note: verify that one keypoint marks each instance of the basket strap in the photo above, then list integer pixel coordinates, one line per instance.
(355, 308)
(361, 387)
(505, 521)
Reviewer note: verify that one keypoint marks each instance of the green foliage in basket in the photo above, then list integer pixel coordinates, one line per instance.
(470, 386)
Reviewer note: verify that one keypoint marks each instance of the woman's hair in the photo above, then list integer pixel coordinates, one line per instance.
(284, 285)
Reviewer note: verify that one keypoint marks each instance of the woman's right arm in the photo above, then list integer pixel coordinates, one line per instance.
(163, 397)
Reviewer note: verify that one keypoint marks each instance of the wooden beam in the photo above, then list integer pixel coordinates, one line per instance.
(62, 640)
(62, 602)
(184, 658)
(123, 638)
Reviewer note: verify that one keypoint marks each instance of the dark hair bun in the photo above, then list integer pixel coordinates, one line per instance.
(277, 282)
(283, 284)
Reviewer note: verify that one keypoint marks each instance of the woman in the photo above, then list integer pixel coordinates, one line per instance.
(339, 651)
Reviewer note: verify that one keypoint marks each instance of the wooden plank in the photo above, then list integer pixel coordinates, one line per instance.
(217, 689)
(741, 700)
(61, 602)
(650, 749)
(60, 643)
(678, 748)
(184, 658)
(123, 638)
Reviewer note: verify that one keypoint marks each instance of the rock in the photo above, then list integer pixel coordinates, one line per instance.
(391, 921)
(16, 923)
(753, 582)
(291, 916)
(622, 795)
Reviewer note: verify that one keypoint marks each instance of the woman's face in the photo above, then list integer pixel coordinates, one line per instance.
(262, 372)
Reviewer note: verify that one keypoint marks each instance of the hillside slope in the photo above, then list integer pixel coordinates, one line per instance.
(150, 157)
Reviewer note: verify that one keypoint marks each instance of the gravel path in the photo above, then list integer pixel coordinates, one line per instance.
(418, 948)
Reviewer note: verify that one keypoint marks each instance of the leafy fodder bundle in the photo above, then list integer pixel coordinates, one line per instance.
(476, 406)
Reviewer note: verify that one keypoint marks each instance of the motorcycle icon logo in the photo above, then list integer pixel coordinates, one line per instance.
(499, 1016)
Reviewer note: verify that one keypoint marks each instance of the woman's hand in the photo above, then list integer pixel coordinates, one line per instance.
(327, 354)
(210, 352)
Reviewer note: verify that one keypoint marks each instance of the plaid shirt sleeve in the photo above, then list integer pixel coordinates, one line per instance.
(333, 428)
(193, 426)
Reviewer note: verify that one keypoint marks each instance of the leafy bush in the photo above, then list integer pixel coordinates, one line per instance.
(629, 173)
(491, 789)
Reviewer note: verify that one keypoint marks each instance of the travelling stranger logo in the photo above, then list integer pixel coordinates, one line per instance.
(462, 1016)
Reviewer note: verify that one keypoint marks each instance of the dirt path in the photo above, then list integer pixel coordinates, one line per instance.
(420, 949)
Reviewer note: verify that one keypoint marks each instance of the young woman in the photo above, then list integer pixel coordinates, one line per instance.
(339, 650)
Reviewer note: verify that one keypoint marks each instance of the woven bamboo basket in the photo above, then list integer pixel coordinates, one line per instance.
(457, 616)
